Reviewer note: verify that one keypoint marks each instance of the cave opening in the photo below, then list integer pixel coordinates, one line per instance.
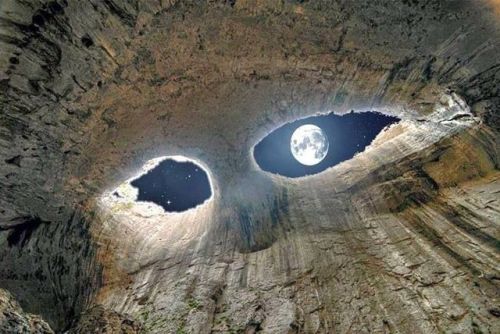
(164, 184)
(174, 185)
(345, 136)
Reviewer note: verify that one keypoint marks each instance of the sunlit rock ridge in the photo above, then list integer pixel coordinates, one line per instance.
(402, 238)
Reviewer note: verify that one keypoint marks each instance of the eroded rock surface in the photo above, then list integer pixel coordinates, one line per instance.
(13, 320)
(401, 238)
(99, 320)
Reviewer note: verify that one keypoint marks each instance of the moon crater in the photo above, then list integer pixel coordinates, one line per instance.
(309, 144)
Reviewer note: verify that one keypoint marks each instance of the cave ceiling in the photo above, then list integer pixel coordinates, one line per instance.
(402, 238)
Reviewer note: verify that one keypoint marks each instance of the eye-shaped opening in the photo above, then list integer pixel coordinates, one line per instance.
(311, 145)
(174, 183)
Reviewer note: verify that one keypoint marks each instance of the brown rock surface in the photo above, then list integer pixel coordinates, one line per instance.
(401, 238)
(99, 320)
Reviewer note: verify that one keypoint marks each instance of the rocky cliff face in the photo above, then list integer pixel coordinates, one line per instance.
(14, 320)
(401, 238)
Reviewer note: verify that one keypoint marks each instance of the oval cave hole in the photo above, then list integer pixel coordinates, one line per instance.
(345, 136)
(176, 185)
(39, 18)
(87, 41)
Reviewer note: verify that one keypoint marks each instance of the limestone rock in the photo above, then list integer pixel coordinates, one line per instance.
(13, 320)
(401, 238)
(99, 320)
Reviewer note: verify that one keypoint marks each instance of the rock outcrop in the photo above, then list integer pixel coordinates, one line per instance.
(99, 320)
(13, 320)
(403, 238)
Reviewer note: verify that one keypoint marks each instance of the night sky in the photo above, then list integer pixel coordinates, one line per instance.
(179, 186)
(176, 186)
(347, 135)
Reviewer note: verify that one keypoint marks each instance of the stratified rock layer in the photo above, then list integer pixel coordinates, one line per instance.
(14, 321)
(401, 238)
(99, 320)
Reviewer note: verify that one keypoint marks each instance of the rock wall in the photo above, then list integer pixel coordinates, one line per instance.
(14, 320)
(50, 267)
(401, 238)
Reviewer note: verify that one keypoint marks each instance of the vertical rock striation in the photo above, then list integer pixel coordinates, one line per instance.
(401, 238)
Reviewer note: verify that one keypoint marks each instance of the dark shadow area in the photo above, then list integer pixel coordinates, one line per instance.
(347, 135)
(21, 233)
(176, 186)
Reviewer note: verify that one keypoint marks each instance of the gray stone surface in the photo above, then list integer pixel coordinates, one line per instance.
(97, 319)
(13, 320)
(401, 238)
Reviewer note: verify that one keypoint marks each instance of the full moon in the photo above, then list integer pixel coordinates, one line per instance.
(309, 145)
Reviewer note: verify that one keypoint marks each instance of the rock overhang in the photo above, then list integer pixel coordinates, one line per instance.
(205, 80)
